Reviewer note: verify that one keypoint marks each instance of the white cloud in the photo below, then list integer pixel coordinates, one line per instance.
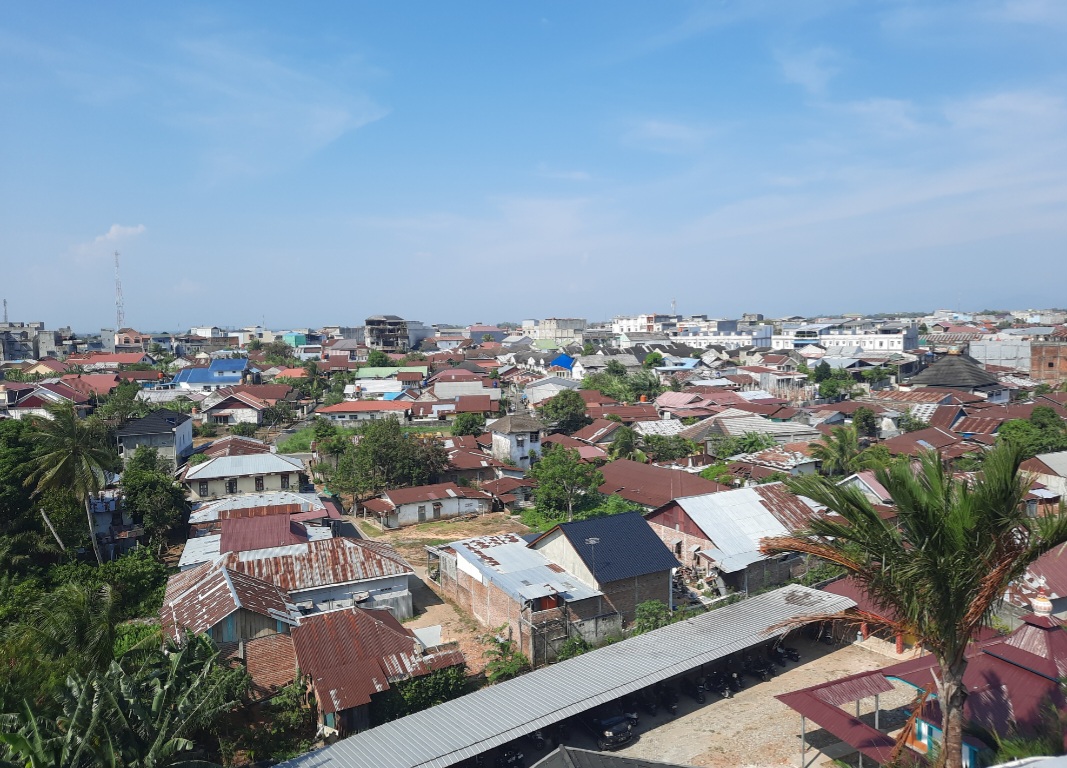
(667, 136)
(812, 70)
(119, 232)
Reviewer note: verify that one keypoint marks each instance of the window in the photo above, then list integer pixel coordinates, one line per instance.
(534, 437)
(678, 548)
(285, 482)
(259, 483)
(202, 488)
(1051, 365)
(231, 486)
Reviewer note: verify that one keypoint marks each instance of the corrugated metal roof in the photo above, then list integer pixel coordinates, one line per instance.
(320, 563)
(456, 730)
(736, 521)
(241, 534)
(242, 466)
(506, 561)
(352, 654)
(625, 547)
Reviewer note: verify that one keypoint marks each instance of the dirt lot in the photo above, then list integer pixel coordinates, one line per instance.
(430, 609)
(755, 729)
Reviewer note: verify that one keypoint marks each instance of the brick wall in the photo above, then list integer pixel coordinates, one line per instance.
(627, 594)
(685, 554)
(1048, 361)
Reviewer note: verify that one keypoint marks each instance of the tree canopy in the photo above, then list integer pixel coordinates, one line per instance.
(564, 482)
(385, 457)
(565, 412)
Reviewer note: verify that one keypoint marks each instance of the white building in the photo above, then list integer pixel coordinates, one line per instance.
(516, 439)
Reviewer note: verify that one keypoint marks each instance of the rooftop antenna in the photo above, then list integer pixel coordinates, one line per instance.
(674, 307)
(5, 311)
(120, 313)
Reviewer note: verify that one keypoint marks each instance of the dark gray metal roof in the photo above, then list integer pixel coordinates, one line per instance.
(626, 546)
(569, 757)
(464, 727)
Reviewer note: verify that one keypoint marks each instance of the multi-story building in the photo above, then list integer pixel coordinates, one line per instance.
(559, 329)
(390, 333)
(888, 337)
(23, 341)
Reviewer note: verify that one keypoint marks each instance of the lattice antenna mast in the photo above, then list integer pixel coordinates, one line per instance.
(5, 311)
(120, 312)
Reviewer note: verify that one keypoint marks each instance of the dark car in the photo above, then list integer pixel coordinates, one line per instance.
(610, 732)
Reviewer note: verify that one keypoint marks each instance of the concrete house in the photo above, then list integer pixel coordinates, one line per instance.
(230, 475)
(1049, 469)
(169, 432)
(618, 555)
(500, 580)
(365, 410)
(410, 506)
(517, 440)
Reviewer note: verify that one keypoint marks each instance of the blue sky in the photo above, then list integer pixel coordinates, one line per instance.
(463, 162)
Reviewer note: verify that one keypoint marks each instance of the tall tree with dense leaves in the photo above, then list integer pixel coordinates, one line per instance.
(565, 412)
(71, 453)
(151, 496)
(624, 445)
(384, 457)
(563, 481)
(468, 424)
(942, 566)
(865, 422)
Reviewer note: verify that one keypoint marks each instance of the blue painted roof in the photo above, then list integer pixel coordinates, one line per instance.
(237, 364)
(563, 361)
(627, 547)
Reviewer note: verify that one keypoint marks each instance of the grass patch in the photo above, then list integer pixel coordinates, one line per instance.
(298, 442)
(369, 529)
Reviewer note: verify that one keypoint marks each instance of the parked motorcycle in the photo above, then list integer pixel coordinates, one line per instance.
(776, 654)
(536, 739)
(668, 697)
(694, 691)
(757, 667)
(734, 680)
(716, 683)
(647, 699)
(791, 653)
(510, 757)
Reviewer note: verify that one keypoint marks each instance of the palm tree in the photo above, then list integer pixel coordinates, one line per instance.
(942, 566)
(77, 621)
(624, 446)
(839, 451)
(72, 454)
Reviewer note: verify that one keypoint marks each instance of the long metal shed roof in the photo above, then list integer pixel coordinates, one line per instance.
(464, 727)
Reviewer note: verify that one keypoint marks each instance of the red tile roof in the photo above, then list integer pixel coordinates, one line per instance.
(270, 662)
(364, 406)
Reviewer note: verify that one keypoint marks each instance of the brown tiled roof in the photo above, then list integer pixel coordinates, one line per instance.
(232, 445)
(597, 431)
(628, 413)
(914, 443)
(652, 486)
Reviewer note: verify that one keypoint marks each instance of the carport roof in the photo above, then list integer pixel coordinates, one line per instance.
(462, 728)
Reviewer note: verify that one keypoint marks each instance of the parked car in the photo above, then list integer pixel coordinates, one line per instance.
(610, 732)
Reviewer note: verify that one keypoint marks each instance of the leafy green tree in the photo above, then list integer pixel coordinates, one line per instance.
(652, 360)
(942, 566)
(385, 458)
(1043, 432)
(505, 660)
(610, 505)
(668, 448)
(25, 535)
(254, 345)
(123, 404)
(588, 349)
(151, 496)
(468, 424)
(378, 359)
(909, 423)
(750, 442)
(717, 473)
(564, 481)
(822, 372)
(650, 615)
(573, 646)
(865, 422)
(830, 389)
(565, 412)
(72, 454)
(615, 368)
(279, 414)
(197, 458)
(242, 429)
(277, 351)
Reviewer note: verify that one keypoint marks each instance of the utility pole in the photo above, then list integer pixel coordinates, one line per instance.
(120, 313)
